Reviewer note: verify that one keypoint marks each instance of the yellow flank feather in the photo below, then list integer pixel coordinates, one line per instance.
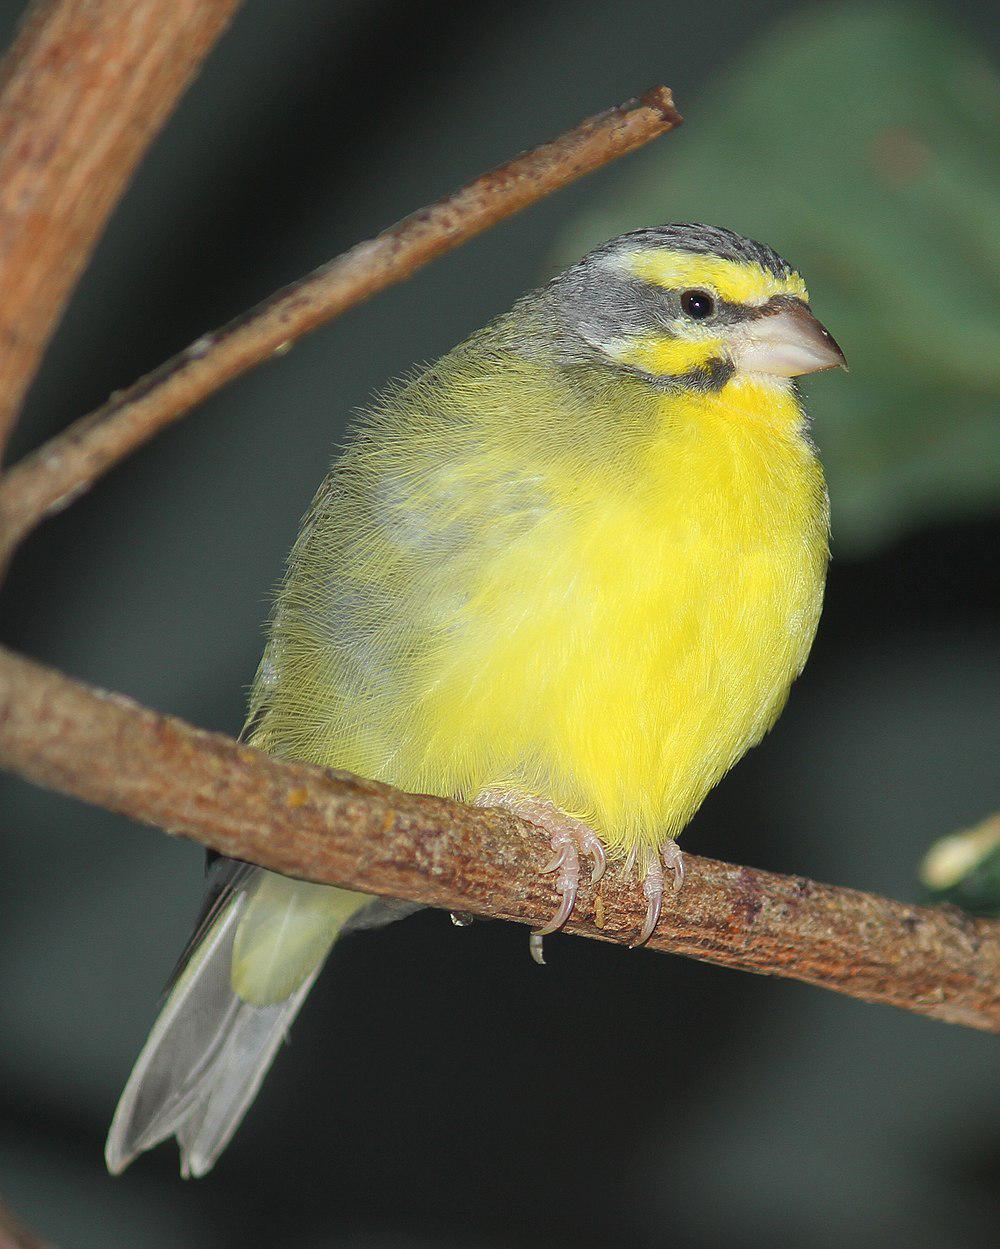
(561, 582)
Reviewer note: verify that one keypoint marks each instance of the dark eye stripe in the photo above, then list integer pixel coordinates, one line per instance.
(729, 313)
(725, 311)
(594, 305)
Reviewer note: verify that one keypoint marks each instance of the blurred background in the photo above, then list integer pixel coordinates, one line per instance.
(440, 1088)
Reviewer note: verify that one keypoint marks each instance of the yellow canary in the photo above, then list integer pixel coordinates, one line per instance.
(572, 569)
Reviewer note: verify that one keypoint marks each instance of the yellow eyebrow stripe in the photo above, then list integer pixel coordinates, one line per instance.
(730, 280)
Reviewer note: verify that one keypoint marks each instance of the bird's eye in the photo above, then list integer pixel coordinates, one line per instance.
(697, 304)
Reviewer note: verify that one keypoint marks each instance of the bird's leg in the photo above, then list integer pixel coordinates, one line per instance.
(568, 838)
(652, 886)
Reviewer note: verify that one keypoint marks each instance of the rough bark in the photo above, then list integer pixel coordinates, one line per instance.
(338, 829)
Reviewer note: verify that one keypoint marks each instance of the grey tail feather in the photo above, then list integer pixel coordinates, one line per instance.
(205, 1057)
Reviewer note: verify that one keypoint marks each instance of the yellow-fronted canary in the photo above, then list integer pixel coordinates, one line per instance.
(572, 568)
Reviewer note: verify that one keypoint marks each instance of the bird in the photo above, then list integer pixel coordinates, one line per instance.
(571, 569)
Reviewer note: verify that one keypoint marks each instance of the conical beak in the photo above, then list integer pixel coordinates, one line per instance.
(787, 342)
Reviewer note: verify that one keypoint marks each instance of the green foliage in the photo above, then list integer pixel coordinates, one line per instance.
(861, 142)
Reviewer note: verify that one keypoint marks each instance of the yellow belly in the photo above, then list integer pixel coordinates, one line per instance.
(616, 654)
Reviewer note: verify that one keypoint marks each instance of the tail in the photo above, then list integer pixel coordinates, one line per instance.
(241, 982)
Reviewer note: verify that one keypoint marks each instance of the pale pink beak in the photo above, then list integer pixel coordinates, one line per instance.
(786, 342)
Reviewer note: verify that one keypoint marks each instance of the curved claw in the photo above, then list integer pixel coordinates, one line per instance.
(562, 914)
(557, 860)
(535, 948)
(595, 851)
(673, 861)
(652, 919)
(652, 888)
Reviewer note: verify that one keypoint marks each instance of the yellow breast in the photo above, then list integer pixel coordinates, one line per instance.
(609, 628)
(632, 646)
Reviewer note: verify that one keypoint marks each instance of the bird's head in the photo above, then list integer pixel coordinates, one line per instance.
(691, 306)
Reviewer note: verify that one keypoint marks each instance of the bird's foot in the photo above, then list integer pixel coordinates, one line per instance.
(671, 857)
(569, 838)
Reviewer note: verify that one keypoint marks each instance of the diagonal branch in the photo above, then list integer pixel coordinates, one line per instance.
(338, 829)
(53, 476)
(83, 91)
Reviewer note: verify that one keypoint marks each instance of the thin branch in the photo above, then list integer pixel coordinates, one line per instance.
(332, 827)
(53, 476)
(83, 90)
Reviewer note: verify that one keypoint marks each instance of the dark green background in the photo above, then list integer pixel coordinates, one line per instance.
(441, 1089)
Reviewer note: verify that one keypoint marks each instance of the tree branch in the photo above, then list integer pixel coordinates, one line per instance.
(83, 90)
(53, 476)
(335, 828)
